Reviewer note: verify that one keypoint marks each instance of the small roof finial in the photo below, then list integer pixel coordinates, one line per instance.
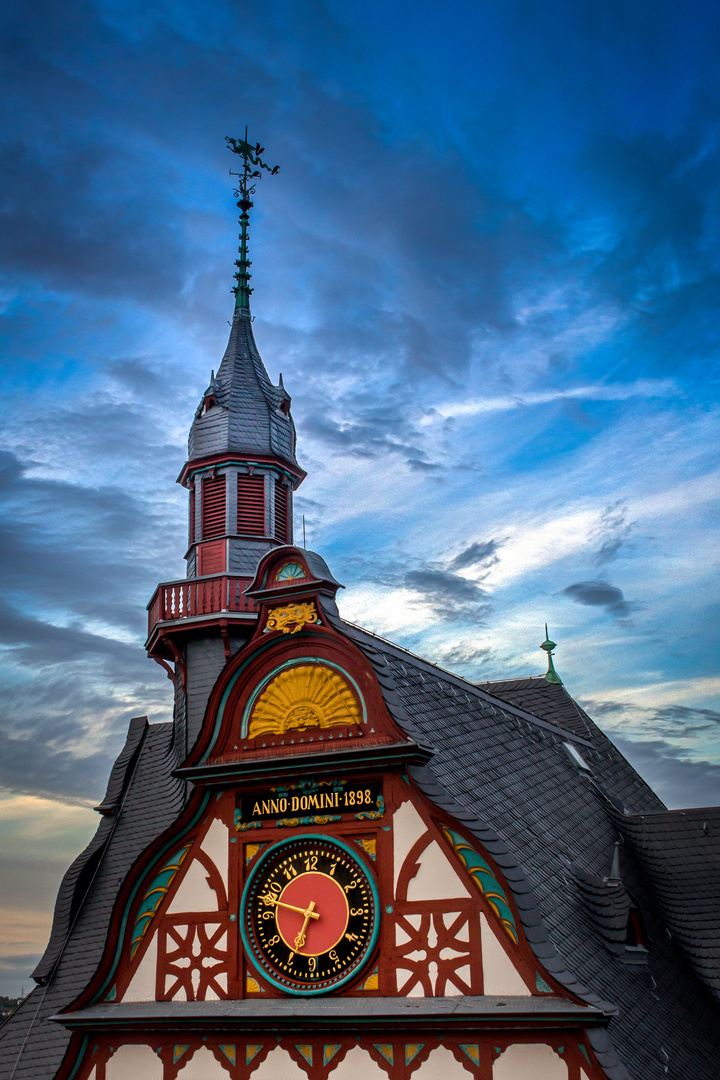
(548, 646)
(252, 166)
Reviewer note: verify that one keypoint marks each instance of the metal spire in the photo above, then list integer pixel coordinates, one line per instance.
(252, 166)
(548, 646)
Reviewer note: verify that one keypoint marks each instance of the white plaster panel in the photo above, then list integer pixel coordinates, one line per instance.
(358, 1065)
(442, 1065)
(194, 893)
(92, 1074)
(203, 1066)
(278, 1065)
(500, 975)
(142, 985)
(451, 990)
(215, 845)
(524, 1060)
(408, 827)
(134, 1062)
(437, 878)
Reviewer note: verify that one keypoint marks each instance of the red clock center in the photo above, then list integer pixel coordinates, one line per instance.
(322, 918)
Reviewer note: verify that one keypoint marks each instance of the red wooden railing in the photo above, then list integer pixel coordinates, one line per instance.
(193, 597)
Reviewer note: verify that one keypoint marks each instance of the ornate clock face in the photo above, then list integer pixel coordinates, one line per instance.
(309, 914)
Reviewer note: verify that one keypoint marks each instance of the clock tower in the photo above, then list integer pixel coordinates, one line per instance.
(240, 475)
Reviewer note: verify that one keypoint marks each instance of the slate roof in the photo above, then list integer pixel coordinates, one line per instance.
(147, 798)
(252, 415)
(679, 852)
(505, 773)
(551, 701)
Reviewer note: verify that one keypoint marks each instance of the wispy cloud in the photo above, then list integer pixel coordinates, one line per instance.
(642, 388)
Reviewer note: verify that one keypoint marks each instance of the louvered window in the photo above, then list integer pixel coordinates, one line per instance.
(213, 507)
(281, 512)
(192, 516)
(251, 505)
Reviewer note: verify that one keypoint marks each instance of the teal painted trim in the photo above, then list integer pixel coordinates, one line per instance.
(223, 700)
(584, 1053)
(270, 853)
(484, 877)
(541, 985)
(131, 900)
(284, 667)
(154, 896)
(239, 464)
(80, 1056)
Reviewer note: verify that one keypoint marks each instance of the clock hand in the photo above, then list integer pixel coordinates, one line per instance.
(308, 912)
(300, 939)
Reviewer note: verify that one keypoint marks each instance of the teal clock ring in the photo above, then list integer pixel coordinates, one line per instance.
(310, 915)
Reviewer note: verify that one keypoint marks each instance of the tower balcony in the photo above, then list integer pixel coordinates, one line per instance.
(182, 606)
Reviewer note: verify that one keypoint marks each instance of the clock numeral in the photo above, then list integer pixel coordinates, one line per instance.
(352, 937)
(332, 869)
(334, 956)
(351, 885)
(358, 911)
(312, 963)
(267, 915)
(291, 957)
(290, 872)
(274, 940)
(311, 863)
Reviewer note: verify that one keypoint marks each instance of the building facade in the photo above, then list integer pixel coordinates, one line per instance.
(340, 861)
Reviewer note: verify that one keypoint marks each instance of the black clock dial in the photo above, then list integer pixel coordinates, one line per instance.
(310, 914)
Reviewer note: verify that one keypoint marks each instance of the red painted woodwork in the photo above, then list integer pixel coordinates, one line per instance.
(187, 599)
(191, 539)
(213, 506)
(281, 512)
(211, 557)
(251, 505)
(399, 1055)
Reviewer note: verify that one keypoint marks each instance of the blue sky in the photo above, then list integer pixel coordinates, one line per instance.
(488, 270)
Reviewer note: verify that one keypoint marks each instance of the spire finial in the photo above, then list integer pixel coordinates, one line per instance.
(548, 645)
(252, 166)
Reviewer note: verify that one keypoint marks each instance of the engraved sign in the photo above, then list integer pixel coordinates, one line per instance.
(295, 803)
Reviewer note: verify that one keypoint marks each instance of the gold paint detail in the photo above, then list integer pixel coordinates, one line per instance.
(370, 846)
(303, 696)
(372, 982)
(252, 985)
(292, 617)
(251, 851)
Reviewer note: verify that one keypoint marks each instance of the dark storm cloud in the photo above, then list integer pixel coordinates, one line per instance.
(671, 721)
(454, 597)
(600, 594)
(483, 554)
(613, 532)
(678, 780)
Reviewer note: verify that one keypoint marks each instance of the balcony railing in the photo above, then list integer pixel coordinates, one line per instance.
(192, 598)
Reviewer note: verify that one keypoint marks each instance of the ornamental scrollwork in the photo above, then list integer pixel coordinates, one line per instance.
(292, 617)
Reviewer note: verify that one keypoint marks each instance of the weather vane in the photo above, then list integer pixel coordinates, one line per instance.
(252, 170)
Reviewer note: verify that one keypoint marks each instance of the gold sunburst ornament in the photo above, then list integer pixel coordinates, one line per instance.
(303, 696)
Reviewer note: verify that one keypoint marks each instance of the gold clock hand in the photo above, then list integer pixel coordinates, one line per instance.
(300, 939)
(308, 912)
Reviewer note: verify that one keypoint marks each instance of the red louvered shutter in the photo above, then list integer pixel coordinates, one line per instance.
(213, 507)
(281, 512)
(192, 516)
(251, 505)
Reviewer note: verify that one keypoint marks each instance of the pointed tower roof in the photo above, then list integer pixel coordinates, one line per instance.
(241, 411)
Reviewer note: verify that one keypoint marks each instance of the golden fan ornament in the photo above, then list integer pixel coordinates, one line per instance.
(301, 697)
